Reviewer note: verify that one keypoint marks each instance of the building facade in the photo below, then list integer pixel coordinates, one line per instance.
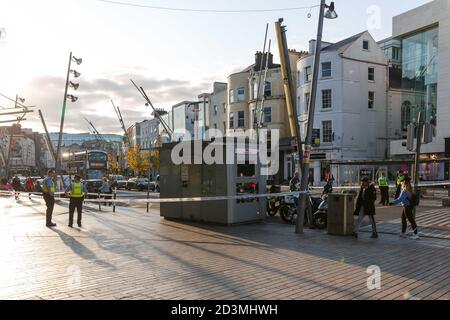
(350, 112)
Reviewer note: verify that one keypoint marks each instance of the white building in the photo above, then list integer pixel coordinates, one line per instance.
(350, 112)
(424, 34)
(149, 134)
(215, 107)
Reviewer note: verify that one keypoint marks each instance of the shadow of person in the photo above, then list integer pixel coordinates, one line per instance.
(81, 250)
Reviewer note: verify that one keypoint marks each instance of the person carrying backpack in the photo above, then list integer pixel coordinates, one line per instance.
(408, 201)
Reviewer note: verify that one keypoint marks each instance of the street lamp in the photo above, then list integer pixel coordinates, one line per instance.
(330, 14)
(75, 86)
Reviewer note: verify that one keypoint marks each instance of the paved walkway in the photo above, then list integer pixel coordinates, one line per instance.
(133, 255)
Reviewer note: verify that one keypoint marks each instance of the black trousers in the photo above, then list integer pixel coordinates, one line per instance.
(408, 214)
(384, 195)
(398, 191)
(50, 203)
(75, 203)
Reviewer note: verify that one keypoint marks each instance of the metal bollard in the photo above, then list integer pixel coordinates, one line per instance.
(115, 197)
(148, 197)
(99, 203)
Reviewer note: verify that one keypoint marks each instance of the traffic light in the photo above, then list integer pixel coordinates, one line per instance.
(427, 133)
(410, 136)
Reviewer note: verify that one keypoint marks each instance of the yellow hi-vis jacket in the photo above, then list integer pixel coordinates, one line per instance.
(77, 190)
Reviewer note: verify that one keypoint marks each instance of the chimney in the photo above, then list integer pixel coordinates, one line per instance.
(259, 57)
(312, 46)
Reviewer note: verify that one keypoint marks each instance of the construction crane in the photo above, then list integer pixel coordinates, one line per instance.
(99, 137)
(122, 124)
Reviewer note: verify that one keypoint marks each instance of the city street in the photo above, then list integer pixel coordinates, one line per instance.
(134, 255)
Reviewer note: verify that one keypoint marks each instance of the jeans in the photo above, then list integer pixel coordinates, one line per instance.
(408, 214)
(358, 222)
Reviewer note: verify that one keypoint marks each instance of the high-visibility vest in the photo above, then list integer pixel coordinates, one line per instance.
(382, 182)
(400, 179)
(44, 186)
(77, 190)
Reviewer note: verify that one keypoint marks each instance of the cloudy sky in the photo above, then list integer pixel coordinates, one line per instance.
(174, 55)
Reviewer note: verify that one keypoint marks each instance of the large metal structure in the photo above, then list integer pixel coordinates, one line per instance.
(122, 123)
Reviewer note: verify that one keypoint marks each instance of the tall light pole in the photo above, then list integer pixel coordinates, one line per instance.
(11, 136)
(330, 14)
(63, 113)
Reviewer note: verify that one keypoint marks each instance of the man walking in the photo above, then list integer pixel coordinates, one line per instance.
(17, 186)
(48, 190)
(106, 189)
(383, 184)
(365, 206)
(76, 191)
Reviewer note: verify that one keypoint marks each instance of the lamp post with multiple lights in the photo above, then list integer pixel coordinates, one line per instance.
(72, 98)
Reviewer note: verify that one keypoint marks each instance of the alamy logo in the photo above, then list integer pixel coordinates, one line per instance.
(247, 147)
(374, 280)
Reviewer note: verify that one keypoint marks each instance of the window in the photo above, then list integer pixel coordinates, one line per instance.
(215, 110)
(406, 114)
(326, 99)
(327, 132)
(231, 96)
(371, 74)
(307, 99)
(268, 89)
(365, 45)
(241, 119)
(371, 100)
(267, 115)
(231, 120)
(326, 69)
(308, 74)
(240, 94)
(255, 89)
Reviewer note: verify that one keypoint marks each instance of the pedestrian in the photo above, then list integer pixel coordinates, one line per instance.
(311, 179)
(295, 181)
(383, 184)
(365, 206)
(48, 191)
(29, 187)
(406, 198)
(400, 178)
(106, 189)
(17, 187)
(76, 191)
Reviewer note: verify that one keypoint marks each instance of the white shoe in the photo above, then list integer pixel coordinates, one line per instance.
(414, 237)
(403, 235)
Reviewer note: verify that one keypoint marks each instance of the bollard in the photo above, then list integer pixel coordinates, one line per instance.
(114, 201)
(148, 197)
(99, 203)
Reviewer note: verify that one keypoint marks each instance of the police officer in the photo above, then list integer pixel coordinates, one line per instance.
(383, 184)
(400, 178)
(76, 191)
(48, 191)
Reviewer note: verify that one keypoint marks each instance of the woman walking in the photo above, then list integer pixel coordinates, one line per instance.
(406, 199)
(365, 206)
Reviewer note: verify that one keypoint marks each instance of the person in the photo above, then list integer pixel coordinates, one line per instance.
(106, 189)
(383, 184)
(406, 199)
(293, 184)
(365, 206)
(328, 188)
(311, 179)
(29, 187)
(76, 191)
(48, 191)
(400, 178)
(17, 186)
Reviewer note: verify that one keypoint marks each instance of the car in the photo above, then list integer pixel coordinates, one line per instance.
(140, 184)
(118, 181)
(93, 186)
(154, 185)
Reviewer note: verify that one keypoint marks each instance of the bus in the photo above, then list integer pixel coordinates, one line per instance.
(91, 164)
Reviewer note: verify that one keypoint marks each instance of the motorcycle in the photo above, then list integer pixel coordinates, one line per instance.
(288, 210)
(320, 216)
(274, 203)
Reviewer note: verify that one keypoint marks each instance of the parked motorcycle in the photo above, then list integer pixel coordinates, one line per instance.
(320, 216)
(274, 203)
(288, 210)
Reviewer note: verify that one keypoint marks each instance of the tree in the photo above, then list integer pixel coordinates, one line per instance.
(154, 159)
(114, 166)
(137, 160)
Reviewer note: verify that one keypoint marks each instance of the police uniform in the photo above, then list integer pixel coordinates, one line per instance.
(400, 180)
(384, 190)
(76, 189)
(48, 190)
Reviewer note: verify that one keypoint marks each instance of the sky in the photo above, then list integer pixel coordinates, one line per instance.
(174, 55)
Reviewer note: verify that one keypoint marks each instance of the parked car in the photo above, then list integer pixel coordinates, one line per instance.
(118, 181)
(93, 186)
(137, 184)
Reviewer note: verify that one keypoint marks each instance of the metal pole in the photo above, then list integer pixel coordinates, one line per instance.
(47, 135)
(312, 104)
(11, 136)
(417, 155)
(63, 113)
(115, 197)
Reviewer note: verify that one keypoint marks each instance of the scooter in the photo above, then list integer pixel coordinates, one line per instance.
(288, 210)
(320, 217)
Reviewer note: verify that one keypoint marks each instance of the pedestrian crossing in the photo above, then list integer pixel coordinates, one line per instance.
(434, 223)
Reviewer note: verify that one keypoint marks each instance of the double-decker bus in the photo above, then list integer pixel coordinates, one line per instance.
(92, 164)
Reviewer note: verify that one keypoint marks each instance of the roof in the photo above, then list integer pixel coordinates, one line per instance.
(343, 44)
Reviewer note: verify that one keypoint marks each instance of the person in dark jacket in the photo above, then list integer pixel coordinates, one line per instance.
(17, 186)
(365, 206)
